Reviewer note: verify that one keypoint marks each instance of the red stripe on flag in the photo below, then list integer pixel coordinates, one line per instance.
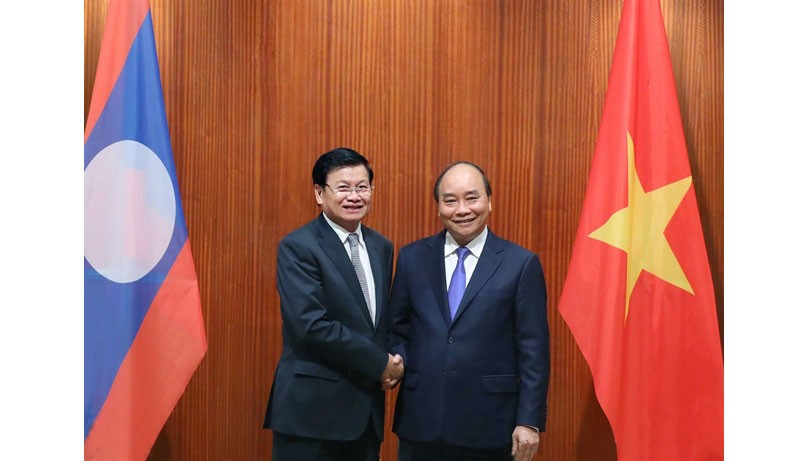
(168, 347)
(123, 23)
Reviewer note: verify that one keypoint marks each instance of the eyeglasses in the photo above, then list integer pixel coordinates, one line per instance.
(344, 191)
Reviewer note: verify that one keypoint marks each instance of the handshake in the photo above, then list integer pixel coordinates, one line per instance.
(394, 371)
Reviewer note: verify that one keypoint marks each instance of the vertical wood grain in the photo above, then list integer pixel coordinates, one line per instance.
(256, 90)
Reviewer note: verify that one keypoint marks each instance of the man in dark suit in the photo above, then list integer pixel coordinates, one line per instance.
(468, 316)
(333, 277)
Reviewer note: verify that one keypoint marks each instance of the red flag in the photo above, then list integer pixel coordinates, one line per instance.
(144, 332)
(638, 296)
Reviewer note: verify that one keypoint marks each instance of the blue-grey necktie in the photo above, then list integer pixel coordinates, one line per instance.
(362, 278)
(457, 284)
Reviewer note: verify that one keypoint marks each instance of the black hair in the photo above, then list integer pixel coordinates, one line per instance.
(337, 158)
(487, 187)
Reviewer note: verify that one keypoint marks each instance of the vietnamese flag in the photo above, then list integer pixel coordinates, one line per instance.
(638, 296)
(144, 331)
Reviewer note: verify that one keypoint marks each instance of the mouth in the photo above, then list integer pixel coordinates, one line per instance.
(464, 222)
(354, 208)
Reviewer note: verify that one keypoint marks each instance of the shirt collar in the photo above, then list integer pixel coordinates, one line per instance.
(342, 233)
(476, 245)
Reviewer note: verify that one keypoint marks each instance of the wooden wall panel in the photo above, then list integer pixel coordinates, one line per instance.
(256, 90)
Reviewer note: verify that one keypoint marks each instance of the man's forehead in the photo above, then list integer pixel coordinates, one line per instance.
(472, 191)
(355, 172)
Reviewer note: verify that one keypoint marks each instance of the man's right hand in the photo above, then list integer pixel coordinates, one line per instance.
(394, 371)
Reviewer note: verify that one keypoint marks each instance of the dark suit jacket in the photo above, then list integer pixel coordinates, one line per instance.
(327, 383)
(470, 381)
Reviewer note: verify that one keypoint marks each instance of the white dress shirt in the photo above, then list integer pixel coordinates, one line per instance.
(449, 252)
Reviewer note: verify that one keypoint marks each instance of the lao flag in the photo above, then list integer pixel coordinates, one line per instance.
(144, 332)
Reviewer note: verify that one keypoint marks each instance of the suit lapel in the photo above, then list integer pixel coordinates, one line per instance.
(436, 268)
(492, 256)
(335, 250)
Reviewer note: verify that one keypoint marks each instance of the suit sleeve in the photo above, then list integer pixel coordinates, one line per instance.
(533, 345)
(304, 314)
(399, 312)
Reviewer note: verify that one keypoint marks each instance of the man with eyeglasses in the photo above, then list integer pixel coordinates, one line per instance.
(469, 318)
(333, 277)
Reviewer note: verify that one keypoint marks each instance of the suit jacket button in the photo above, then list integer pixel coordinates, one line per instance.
(443, 372)
(451, 339)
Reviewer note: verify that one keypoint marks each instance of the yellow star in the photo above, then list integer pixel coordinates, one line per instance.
(639, 229)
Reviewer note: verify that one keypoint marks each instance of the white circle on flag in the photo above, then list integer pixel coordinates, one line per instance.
(129, 211)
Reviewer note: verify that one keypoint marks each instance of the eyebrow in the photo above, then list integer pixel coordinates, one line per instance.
(347, 183)
(452, 194)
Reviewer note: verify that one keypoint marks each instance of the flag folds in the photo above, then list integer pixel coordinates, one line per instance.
(638, 296)
(144, 332)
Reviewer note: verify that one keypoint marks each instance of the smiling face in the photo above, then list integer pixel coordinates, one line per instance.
(345, 209)
(463, 203)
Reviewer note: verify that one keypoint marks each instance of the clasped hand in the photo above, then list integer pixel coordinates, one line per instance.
(395, 369)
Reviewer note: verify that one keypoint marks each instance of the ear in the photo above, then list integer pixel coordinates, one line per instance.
(319, 194)
(489, 205)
